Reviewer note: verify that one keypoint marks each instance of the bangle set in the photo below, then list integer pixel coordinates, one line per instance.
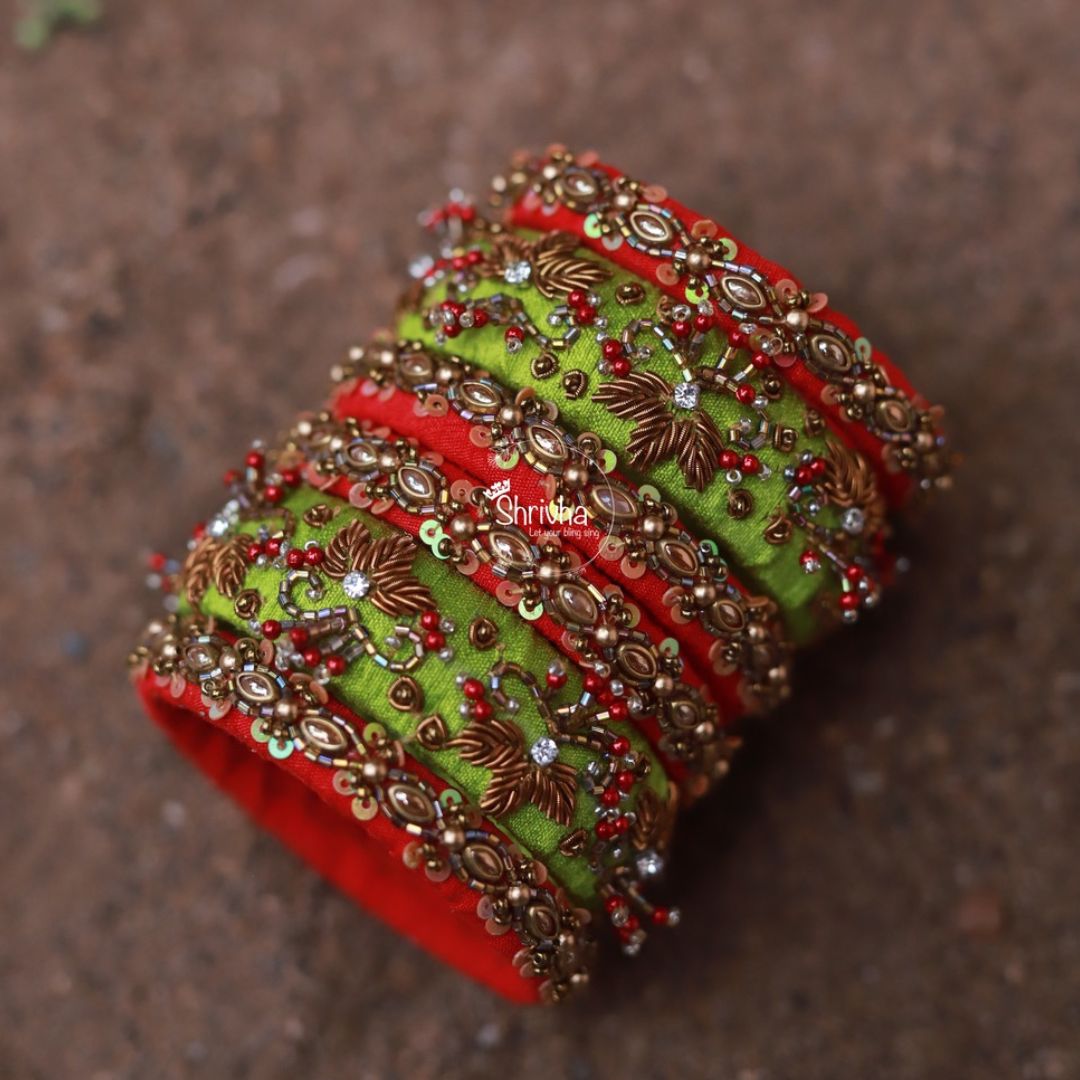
(468, 637)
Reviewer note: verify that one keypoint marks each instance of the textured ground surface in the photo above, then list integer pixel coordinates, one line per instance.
(202, 204)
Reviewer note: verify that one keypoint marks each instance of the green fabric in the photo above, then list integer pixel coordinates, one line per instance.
(768, 568)
(363, 688)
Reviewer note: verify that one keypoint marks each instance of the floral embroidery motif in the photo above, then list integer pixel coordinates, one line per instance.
(517, 777)
(379, 571)
(659, 432)
(549, 263)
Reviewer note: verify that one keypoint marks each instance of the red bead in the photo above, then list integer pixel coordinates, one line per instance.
(451, 329)
(479, 318)
(434, 640)
(473, 689)
(593, 683)
(314, 556)
(818, 466)
(611, 348)
(736, 339)
(613, 903)
(849, 601)
(625, 779)
(467, 213)
(295, 558)
(291, 477)
(746, 394)
(336, 665)
(273, 547)
(298, 635)
(680, 328)
(272, 493)
(271, 629)
(576, 298)
(809, 558)
(760, 360)
(430, 620)
(514, 333)
(254, 551)
(729, 459)
(458, 262)
(254, 460)
(312, 655)
(611, 796)
(660, 916)
(474, 256)
(199, 531)
(621, 824)
(585, 314)
(703, 323)
(620, 367)
(632, 923)
(157, 562)
(482, 710)
(620, 746)
(749, 464)
(854, 574)
(619, 710)
(605, 830)
(230, 477)
(556, 679)
(804, 475)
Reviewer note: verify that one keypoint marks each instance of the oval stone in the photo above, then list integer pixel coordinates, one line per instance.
(200, 657)
(726, 615)
(574, 603)
(650, 226)
(415, 484)
(613, 502)
(511, 548)
(895, 415)
(683, 713)
(636, 662)
(578, 185)
(483, 863)
(546, 444)
(831, 353)
(417, 367)
(541, 920)
(257, 687)
(361, 455)
(323, 735)
(410, 803)
(743, 292)
(677, 556)
(478, 397)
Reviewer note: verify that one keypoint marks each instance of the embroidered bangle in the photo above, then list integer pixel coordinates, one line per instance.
(467, 638)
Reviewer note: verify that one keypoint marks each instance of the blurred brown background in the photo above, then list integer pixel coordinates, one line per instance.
(202, 204)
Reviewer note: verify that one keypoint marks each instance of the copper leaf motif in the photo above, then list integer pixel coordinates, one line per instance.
(645, 398)
(386, 562)
(557, 270)
(229, 565)
(499, 746)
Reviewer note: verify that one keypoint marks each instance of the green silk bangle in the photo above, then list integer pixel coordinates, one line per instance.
(364, 687)
(773, 569)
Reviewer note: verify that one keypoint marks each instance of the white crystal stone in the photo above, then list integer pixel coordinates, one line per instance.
(686, 395)
(545, 751)
(853, 521)
(356, 585)
(517, 273)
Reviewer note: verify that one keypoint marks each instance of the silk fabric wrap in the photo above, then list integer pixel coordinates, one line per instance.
(468, 637)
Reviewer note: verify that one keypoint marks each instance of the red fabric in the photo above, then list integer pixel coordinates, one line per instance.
(897, 487)
(295, 800)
